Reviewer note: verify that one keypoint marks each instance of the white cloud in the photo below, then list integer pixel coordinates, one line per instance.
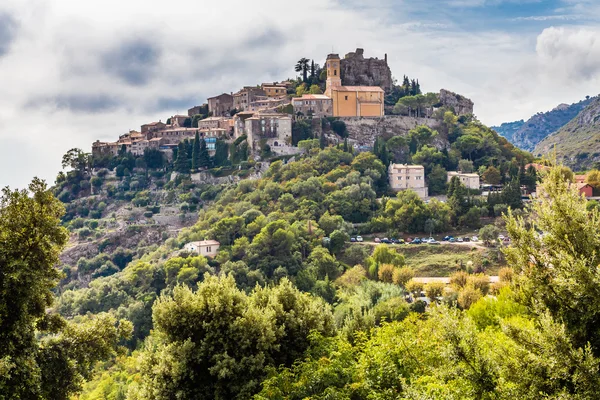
(76, 71)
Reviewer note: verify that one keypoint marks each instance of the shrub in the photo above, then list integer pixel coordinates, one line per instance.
(352, 277)
(414, 287)
(84, 233)
(148, 214)
(434, 290)
(459, 279)
(92, 224)
(402, 276)
(468, 296)
(480, 282)
(386, 273)
(394, 309)
(506, 274)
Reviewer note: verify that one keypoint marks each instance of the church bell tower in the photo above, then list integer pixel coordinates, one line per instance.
(334, 78)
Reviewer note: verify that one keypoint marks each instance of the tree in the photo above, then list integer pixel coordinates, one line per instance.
(559, 269)
(384, 255)
(489, 234)
(221, 153)
(234, 339)
(465, 166)
(339, 128)
(492, 176)
(196, 153)
(403, 275)
(204, 158)
(315, 89)
(54, 366)
(322, 141)
(301, 90)
(154, 158)
(337, 240)
(302, 66)
(77, 160)
(437, 179)
(182, 163)
(511, 194)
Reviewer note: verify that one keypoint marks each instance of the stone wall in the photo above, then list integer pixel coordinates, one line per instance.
(359, 71)
(460, 104)
(363, 131)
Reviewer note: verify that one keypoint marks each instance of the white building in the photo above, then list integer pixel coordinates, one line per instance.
(471, 181)
(402, 177)
(206, 248)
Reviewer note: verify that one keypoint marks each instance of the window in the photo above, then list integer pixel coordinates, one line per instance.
(208, 249)
(408, 178)
(345, 97)
(399, 178)
(335, 72)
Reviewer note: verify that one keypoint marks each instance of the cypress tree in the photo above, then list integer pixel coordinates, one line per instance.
(196, 153)
(221, 153)
(345, 145)
(322, 141)
(204, 158)
(182, 163)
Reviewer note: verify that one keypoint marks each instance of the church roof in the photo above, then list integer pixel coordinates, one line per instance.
(357, 89)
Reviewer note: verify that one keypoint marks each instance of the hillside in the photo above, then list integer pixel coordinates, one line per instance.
(526, 135)
(577, 144)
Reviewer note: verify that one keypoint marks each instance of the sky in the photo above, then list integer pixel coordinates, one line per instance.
(74, 71)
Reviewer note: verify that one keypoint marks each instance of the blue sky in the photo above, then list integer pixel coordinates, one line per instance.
(75, 71)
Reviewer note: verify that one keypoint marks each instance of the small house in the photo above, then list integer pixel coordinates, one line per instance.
(206, 248)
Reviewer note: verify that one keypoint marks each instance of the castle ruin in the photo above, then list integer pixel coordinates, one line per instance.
(359, 71)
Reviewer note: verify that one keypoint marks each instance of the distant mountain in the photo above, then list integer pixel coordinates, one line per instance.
(577, 144)
(527, 135)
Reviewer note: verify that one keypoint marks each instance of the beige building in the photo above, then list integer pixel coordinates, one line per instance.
(273, 129)
(243, 98)
(220, 105)
(215, 123)
(404, 177)
(471, 181)
(316, 105)
(206, 248)
(274, 90)
(264, 103)
(203, 109)
(138, 147)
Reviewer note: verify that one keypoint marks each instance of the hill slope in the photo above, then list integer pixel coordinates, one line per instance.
(527, 135)
(577, 144)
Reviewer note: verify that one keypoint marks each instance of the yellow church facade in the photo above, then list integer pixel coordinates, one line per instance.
(352, 101)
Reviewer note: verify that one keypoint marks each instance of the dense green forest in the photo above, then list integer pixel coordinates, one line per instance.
(289, 308)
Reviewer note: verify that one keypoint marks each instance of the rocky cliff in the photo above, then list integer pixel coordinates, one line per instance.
(356, 70)
(528, 134)
(577, 143)
(460, 104)
(363, 131)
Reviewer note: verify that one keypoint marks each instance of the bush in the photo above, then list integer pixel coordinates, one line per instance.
(394, 309)
(468, 296)
(434, 290)
(148, 214)
(414, 287)
(459, 279)
(402, 276)
(506, 274)
(386, 273)
(352, 277)
(84, 233)
(480, 282)
(92, 224)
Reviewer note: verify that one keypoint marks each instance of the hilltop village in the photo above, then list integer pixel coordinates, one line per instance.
(355, 97)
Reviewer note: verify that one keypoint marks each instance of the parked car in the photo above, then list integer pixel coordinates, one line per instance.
(401, 241)
(386, 241)
(416, 241)
(359, 239)
(474, 239)
(452, 240)
(446, 238)
(501, 237)
(377, 240)
(431, 239)
(395, 241)
(467, 239)
(434, 242)
(353, 239)
(459, 240)
(408, 240)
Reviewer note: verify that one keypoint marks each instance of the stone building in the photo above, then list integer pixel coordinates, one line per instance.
(274, 90)
(178, 120)
(316, 105)
(267, 103)
(274, 129)
(243, 98)
(203, 109)
(220, 105)
(153, 127)
(352, 101)
(402, 177)
(214, 123)
(471, 181)
(359, 71)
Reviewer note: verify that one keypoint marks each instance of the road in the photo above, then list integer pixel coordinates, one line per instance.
(445, 280)
(478, 245)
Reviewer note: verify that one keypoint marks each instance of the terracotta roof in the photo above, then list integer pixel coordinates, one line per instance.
(154, 123)
(582, 185)
(312, 97)
(580, 178)
(357, 89)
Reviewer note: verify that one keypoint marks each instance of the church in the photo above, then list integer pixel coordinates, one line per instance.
(351, 101)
